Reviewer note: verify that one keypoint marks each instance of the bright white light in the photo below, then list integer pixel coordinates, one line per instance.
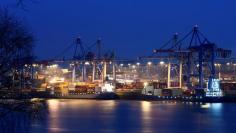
(121, 64)
(207, 105)
(65, 70)
(217, 64)
(54, 66)
(56, 80)
(149, 63)
(228, 64)
(138, 63)
(162, 62)
(133, 66)
(86, 63)
(108, 87)
(145, 84)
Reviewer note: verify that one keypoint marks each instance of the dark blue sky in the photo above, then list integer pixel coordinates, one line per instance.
(131, 27)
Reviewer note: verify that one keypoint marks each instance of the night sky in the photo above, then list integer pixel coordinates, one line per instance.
(131, 27)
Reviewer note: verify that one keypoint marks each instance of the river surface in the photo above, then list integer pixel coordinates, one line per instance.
(118, 116)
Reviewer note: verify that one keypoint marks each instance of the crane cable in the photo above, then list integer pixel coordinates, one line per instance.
(64, 51)
(181, 40)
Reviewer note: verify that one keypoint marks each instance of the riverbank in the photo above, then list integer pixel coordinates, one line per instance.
(139, 97)
(123, 96)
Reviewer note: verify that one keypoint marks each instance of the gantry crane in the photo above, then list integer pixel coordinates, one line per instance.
(195, 53)
(84, 55)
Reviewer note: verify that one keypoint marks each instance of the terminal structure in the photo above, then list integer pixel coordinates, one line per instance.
(190, 65)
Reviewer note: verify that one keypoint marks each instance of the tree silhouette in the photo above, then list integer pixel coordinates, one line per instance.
(16, 44)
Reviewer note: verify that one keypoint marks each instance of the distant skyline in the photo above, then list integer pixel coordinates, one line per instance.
(131, 27)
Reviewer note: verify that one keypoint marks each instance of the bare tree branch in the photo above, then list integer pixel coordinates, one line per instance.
(16, 44)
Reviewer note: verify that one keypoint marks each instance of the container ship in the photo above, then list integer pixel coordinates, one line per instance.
(188, 68)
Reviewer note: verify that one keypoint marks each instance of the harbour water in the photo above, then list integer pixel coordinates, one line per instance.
(120, 116)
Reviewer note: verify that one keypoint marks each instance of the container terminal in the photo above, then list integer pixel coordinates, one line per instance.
(189, 67)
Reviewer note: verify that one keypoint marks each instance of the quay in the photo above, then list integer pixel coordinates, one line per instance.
(198, 70)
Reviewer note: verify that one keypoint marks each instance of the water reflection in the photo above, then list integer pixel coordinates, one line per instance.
(146, 116)
(215, 108)
(146, 107)
(113, 116)
(77, 115)
(206, 106)
(109, 106)
(54, 115)
(53, 105)
(19, 116)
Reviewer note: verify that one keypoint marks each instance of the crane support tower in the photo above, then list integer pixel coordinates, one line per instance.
(196, 57)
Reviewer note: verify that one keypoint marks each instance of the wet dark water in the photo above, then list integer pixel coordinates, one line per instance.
(92, 116)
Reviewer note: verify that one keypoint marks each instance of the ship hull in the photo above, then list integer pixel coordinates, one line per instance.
(90, 96)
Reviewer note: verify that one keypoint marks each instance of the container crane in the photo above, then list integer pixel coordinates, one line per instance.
(197, 56)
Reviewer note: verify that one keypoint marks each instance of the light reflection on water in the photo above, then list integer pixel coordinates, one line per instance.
(111, 116)
(217, 106)
(146, 116)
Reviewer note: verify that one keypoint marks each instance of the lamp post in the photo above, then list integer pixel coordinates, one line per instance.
(73, 74)
(234, 69)
(180, 74)
(168, 76)
(104, 75)
(94, 71)
(219, 68)
(149, 69)
(114, 72)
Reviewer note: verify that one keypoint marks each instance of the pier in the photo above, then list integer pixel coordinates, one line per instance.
(187, 67)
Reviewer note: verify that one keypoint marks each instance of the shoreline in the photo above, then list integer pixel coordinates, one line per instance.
(135, 98)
